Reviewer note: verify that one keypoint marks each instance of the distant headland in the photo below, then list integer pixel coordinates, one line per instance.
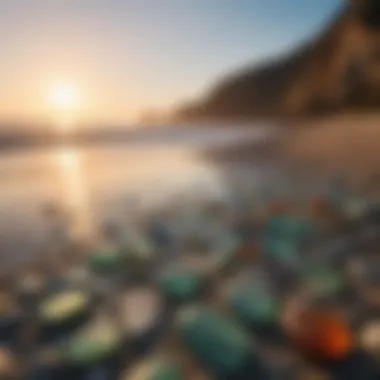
(335, 71)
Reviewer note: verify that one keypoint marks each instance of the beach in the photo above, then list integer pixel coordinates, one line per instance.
(345, 145)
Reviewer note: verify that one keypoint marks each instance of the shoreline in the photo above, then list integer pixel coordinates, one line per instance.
(345, 145)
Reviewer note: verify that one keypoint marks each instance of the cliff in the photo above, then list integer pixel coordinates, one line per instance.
(338, 69)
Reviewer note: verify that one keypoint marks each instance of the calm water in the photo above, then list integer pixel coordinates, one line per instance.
(97, 182)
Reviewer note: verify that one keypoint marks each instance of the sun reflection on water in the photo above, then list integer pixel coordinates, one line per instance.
(74, 190)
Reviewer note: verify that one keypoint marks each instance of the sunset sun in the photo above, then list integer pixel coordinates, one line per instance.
(64, 97)
(65, 103)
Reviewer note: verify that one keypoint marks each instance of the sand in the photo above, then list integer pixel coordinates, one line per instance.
(347, 144)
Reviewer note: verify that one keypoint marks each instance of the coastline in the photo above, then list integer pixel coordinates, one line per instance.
(345, 145)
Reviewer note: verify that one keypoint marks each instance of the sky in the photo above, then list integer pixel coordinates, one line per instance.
(124, 57)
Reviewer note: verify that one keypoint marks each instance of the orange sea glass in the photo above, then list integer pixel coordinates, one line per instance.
(319, 333)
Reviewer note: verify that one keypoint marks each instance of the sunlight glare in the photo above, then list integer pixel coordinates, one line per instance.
(65, 97)
(75, 195)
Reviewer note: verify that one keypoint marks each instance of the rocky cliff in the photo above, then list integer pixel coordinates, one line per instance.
(338, 69)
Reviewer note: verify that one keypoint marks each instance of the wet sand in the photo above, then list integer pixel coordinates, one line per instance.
(345, 144)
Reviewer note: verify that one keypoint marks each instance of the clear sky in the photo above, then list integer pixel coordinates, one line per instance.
(125, 56)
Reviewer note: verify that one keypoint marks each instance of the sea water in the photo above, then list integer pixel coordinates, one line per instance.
(114, 181)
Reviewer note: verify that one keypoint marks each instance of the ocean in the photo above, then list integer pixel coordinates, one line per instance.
(100, 181)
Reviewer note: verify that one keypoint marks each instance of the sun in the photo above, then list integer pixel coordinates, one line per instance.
(65, 106)
(64, 97)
